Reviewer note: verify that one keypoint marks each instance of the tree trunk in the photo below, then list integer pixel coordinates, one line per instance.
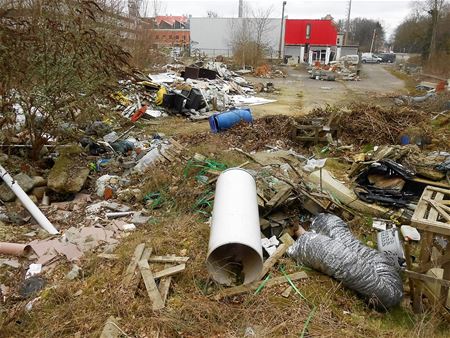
(434, 22)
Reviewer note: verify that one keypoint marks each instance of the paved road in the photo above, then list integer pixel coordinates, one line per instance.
(300, 94)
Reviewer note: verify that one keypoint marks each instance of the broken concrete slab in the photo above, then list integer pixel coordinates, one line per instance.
(68, 174)
(24, 181)
(344, 194)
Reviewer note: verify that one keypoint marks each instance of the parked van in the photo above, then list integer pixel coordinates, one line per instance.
(370, 58)
(387, 57)
(352, 59)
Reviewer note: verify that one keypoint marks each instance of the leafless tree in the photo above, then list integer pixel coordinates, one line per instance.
(248, 38)
(157, 7)
(434, 8)
(212, 14)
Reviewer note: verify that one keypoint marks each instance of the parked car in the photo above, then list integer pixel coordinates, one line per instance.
(387, 57)
(370, 58)
(352, 59)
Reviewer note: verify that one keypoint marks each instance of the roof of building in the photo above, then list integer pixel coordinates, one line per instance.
(171, 19)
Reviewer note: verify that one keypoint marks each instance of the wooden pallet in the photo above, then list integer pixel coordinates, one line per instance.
(432, 217)
(316, 130)
(433, 211)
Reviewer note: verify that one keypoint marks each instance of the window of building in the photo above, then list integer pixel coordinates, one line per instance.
(308, 31)
(177, 37)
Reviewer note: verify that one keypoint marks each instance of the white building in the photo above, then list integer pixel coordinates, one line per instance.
(214, 36)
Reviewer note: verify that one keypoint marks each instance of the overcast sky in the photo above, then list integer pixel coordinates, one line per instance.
(390, 13)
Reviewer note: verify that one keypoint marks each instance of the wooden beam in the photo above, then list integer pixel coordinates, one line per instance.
(432, 183)
(150, 285)
(111, 329)
(253, 286)
(129, 273)
(169, 271)
(164, 285)
(287, 241)
(167, 259)
(427, 278)
(145, 255)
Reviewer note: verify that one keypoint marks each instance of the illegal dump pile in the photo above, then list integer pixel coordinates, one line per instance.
(336, 70)
(133, 212)
(196, 91)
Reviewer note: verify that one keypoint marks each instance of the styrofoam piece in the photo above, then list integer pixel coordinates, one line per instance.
(235, 238)
(379, 225)
(314, 164)
(34, 269)
(410, 233)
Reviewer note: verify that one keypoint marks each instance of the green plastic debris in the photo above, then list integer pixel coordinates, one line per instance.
(205, 166)
(291, 283)
(156, 197)
(308, 320)
(263, 283)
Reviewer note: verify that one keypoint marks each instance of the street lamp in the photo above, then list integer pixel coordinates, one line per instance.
(281, 30)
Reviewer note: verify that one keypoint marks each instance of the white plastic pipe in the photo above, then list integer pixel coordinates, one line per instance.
(235, 250)
(27, 202)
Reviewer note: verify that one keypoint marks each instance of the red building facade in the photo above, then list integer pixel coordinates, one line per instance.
(312, 32)
(311, 40)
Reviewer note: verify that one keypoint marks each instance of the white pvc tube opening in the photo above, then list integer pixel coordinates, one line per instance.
(235, 250)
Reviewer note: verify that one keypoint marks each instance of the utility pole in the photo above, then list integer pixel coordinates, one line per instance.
(241, 9)
(347, 24)
(373, 39)
(281, 30)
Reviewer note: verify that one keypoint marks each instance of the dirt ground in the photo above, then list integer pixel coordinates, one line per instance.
(299, 94)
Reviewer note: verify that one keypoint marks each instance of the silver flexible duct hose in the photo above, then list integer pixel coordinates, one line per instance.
(331, 248)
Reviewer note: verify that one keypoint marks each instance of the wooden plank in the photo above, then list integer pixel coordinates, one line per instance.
(434, 300)
(427, 278)
(432, 226)
(433, 213)
(253, 286)
(111, 329)
(287, 292)
(168, 259)
(145, 255)
(433, 264)
(444, 288)
(170, 271)
(431, 183)
(422, 206)
(280, 197)
(444, 191)
(129, 273)
(164, 285)
(150, 285)
(407, 247)
(287, 241)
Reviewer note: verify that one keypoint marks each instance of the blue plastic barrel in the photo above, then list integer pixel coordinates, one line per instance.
(228, 119)
(404, 140)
